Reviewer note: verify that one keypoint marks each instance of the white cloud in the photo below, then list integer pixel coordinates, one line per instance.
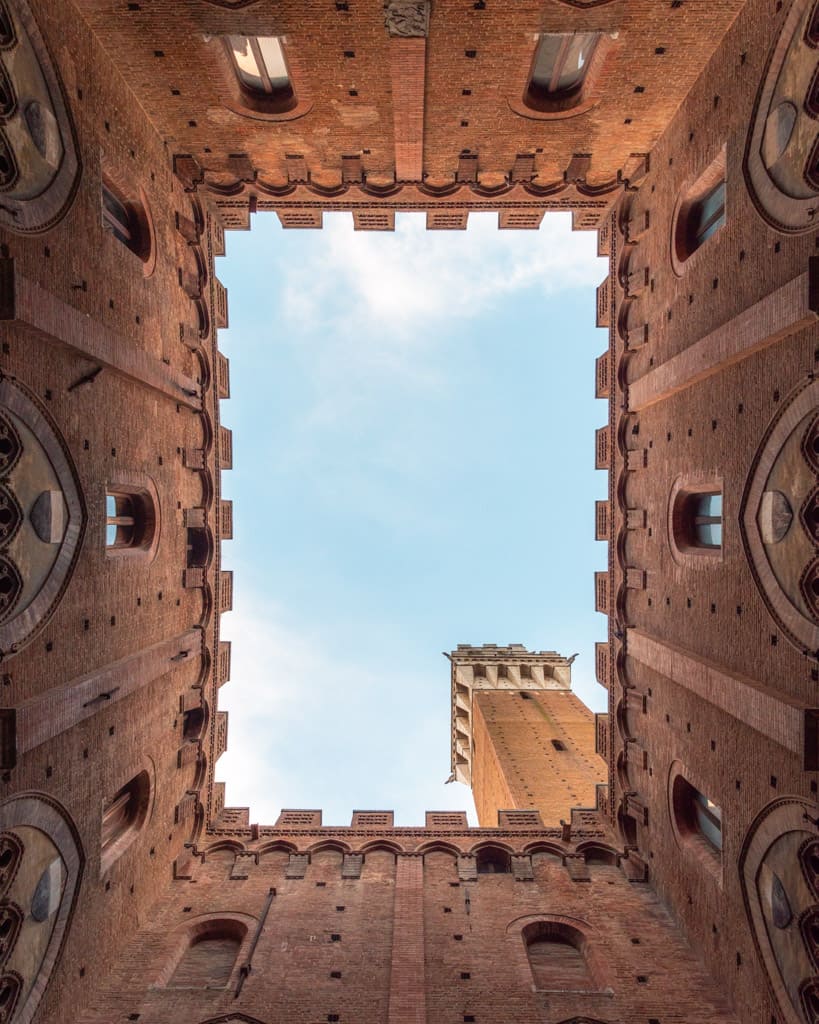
(403, 283)
(311, 728)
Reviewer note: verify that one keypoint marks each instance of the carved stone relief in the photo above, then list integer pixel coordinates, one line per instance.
(407, 18)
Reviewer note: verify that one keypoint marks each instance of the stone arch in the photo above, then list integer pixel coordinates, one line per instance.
(779, 544)
(233, 928)
(48, 539)
(381, 844)
(438, 846)
(39, 157)
(277, 846)
(125, 814)
(220, 850)
(493, 859)
(495, 843)
(565, 932)
(779, 895)
(780, 166)
(539, 846)
(45, 891)
(600, 853)
(329, 844)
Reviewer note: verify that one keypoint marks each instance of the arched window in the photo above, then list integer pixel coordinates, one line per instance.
(556, 957)
(493, 861)
(261, 69)
(701, 212)
(122, 817)
(705, 216)
(209, 958)
(697, 520)
(130, 520)
(559, 68)
(705, 519)
(193, 721)
(697, 817)
(127, 221)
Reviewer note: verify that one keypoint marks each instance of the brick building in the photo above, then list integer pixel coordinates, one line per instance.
(678, 884)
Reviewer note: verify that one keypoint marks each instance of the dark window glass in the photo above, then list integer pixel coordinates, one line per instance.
(706, 216)
(560, 66)
(261, 66)
(119, 219)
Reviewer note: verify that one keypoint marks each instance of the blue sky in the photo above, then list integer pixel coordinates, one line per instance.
(413, 421)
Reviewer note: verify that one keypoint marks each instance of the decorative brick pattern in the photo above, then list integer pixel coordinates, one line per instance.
(602, 664)
(225, 590)
(601, 520)
(602, 448)
(225, 448)
(374, 220)
(223, 375)
(601, 592)
(226, 519)
(602, 374)
(372, 819)
(224, 662)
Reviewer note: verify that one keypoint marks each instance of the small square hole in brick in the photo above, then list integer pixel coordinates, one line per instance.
(335, 974)
(340, 909)
(458, 938)
(642, 979)
(468, 1017)
(465, 975)
(773, 781)
(320, 885)
(335, 937)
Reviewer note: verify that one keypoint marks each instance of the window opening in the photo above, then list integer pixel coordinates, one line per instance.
(261, 66)
(709, 819)
(696, 521)
(556, 954)
(491, 861)
(209, 959)
(559, 68)
(706, 520)
(706, 216)
(122, 817)
(130, 520)
(119, 219)
(697, 817)
(120, 520)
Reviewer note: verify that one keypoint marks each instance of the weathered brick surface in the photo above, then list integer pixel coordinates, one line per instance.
(702, 357)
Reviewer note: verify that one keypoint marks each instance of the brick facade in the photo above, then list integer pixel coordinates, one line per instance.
(145, 897)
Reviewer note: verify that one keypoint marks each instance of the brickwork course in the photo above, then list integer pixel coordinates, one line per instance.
(658, 864)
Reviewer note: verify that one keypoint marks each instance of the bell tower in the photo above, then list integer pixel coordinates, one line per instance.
(520, 738)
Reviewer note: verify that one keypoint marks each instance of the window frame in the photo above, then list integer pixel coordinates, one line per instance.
(553, 96)
(131, 224)
(270, 98)
(688, 235)
(129, 808)
(685, 517)
(136, 514)
(688, 805)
